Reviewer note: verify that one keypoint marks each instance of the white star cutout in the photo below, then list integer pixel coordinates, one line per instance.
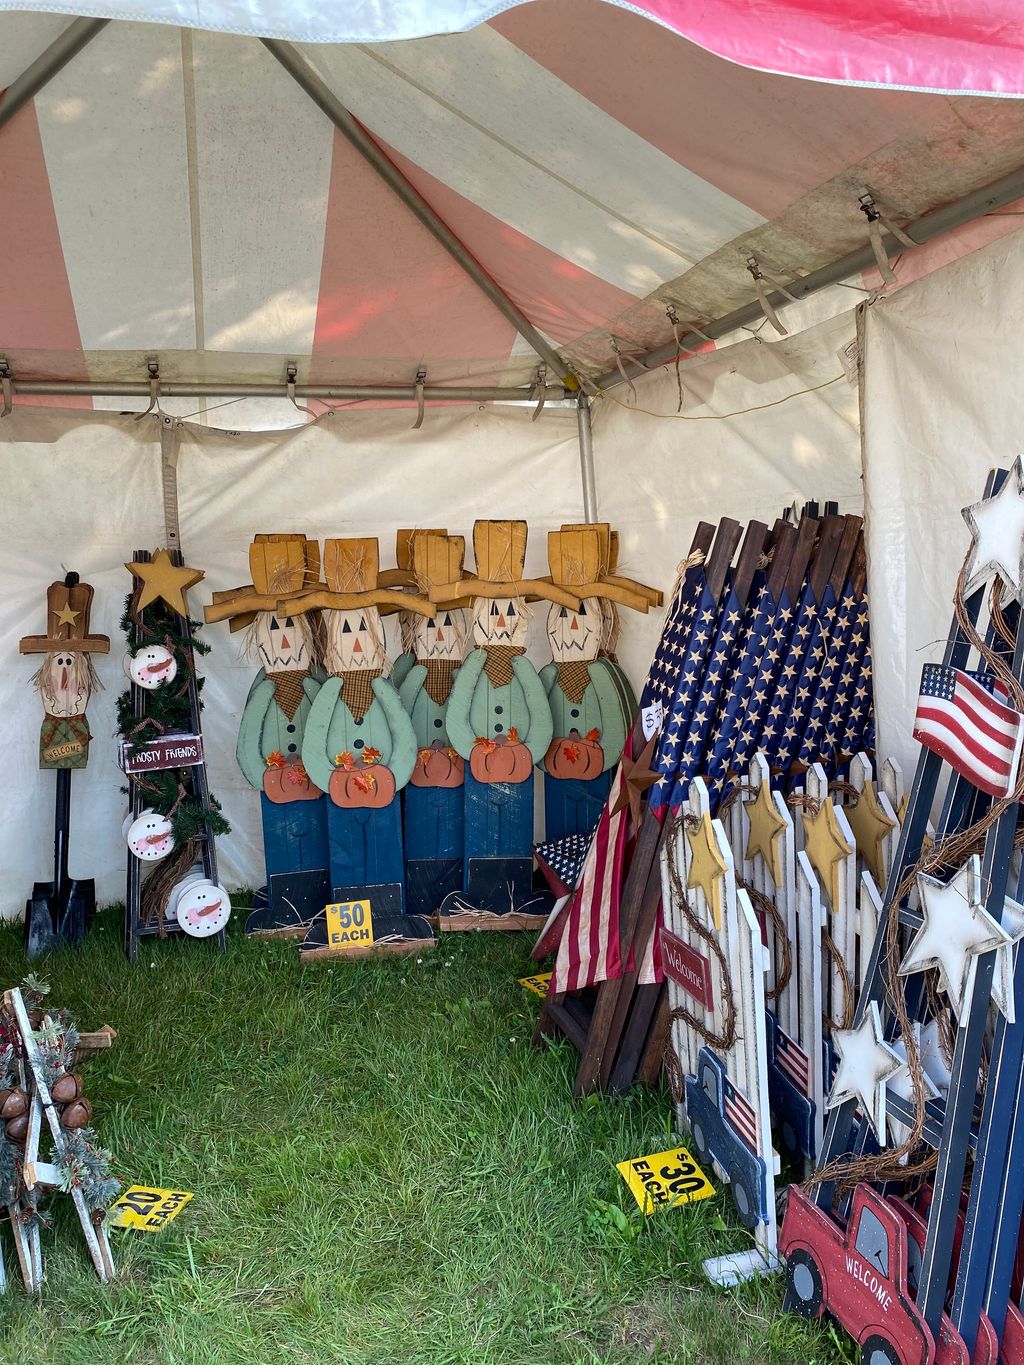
(866, 1064)
(997, 525)
(957, 929)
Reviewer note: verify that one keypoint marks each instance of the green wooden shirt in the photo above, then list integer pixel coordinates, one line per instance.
(476, 708)
(429, 720)
(600, 708)
(266, 729)
(332, 729)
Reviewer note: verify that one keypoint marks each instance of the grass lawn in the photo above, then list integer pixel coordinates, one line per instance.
(384, 1170)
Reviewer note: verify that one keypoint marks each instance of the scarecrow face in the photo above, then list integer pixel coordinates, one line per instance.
(284, 643)
(575, 636)
(355, 640)
(501, 621)
(438, 637)
(65, 683)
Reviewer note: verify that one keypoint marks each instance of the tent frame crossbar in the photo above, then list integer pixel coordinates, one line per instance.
(356, 393)
(66, 45)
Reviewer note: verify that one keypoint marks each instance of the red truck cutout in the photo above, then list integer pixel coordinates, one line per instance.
(858, 1274)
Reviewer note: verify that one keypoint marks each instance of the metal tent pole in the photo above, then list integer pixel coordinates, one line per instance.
(585, 430)
(924, 229)
(65, 46)
(47, 388)
(303, 72)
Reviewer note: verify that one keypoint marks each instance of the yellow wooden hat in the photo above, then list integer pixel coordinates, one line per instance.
(608, 562)
(500, 551)
(352, 574)
(402, 575)
(285, 570)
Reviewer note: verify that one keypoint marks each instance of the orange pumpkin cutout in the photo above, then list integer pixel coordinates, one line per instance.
(362, 787)
(438, 766)
(287, 782)
(503, 759)
(575, 756)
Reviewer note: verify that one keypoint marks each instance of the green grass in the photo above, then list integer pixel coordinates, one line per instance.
(384, 1170)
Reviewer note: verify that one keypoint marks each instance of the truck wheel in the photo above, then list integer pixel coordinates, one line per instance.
(700, 1141)
(803, 1280)
(877, 1351)
(744, 1198)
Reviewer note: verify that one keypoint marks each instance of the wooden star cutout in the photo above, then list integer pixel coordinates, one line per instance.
(956, 929)
(162, 578)
(997, 525)
(871, 827)
(636, 778)
(866, 1064)
(66, 617)
(766, 829)
(707, 866)
(826, 848)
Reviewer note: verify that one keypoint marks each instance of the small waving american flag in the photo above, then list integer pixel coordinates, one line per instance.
(977, 734)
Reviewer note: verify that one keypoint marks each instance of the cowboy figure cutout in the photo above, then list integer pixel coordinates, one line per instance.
(434, 802)
(585, 693)
(274, 612)
(499, 722)
(359, 743)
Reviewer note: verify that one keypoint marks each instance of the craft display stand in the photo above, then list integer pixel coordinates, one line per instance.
(955, 1126)
(134, 928)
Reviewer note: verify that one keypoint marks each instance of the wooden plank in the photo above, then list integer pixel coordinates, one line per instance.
(652, 1059)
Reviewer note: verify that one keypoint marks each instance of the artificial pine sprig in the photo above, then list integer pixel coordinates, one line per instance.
(87, 1167)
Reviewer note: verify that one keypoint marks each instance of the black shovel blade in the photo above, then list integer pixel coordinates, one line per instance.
(76, 917)
(41, 920)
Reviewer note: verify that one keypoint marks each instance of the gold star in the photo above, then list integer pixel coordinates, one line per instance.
(826, 848)
(871, 827)
(161, 578)
(636, 778)
(766, 829)
(66, 617)
(707, 866)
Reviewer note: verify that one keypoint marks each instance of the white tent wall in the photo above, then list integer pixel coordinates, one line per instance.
(83, 490)
(658, 476)
(942, 405)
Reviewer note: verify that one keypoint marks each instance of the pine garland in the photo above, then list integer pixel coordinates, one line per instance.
(168, 708)
(87, 1167)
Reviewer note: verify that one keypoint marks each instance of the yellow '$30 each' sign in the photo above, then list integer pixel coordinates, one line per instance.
(665, 1179)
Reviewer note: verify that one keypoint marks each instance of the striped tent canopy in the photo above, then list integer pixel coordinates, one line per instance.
(174, 192)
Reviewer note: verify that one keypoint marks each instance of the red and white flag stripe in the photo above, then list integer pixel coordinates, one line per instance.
(792, 1061)
(977, 734)
(740, 1116)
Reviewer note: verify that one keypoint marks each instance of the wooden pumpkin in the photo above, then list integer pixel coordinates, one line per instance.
(502, 759)
(76, 1114)
(362, 786)
(438, 766)
(289, 782)
(66, 1088)
(13, 1103)
(574, 756)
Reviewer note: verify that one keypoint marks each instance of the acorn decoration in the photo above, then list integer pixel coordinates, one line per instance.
(76, 1114)
(17, 1128)
(66, 1088)
(13, 1103)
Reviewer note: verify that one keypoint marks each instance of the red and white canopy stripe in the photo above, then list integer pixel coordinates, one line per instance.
(174, 192)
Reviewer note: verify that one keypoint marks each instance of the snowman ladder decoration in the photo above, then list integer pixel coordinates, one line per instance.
(966, 926)
(198, 904)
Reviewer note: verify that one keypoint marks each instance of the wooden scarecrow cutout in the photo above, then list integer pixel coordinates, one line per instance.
(403, 576)
(62, 910)
(359, 743)
(499, 721)
(589, 709)
(274, 610)
(434, 805)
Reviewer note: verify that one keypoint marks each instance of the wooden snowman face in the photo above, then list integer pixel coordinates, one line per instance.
(150, 837)
(355, 641)
(65, 683)
(575, 636)
(438, 637)
(203, 909)
(500, 621)
(284, 644)
(151, 666)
